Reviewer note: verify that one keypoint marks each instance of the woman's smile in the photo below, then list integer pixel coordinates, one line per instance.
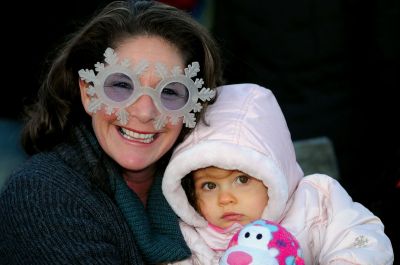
(136, 136)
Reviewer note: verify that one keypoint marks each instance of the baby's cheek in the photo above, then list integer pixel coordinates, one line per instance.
(204, 208)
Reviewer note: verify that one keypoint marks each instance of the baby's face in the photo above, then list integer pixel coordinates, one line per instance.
(225, 197)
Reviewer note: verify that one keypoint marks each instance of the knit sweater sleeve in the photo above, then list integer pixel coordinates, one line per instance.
(49, 215)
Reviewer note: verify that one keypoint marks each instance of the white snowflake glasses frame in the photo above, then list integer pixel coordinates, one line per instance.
(127, 80)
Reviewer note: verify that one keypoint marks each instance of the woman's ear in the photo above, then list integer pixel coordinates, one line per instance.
(84, 96)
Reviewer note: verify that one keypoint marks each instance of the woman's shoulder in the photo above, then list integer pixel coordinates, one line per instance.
(50, 201)
(45, 177)
(47, 182)
(46, 168)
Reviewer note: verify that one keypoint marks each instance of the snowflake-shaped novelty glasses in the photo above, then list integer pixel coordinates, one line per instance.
(116, 86)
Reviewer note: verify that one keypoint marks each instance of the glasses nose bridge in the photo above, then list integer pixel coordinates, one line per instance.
(149, 78)
(150, 92)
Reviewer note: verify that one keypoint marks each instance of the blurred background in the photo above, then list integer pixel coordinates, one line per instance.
(333, 65)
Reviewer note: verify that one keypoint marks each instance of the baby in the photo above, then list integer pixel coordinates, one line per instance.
(239, 165)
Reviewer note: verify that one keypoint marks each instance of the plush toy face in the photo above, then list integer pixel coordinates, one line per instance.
(263, 243)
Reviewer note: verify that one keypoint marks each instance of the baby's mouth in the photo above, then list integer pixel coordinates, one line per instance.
(232, 216)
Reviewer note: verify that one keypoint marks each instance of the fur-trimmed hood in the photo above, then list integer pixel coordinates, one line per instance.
(246, 131)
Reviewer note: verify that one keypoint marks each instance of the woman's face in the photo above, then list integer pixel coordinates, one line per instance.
(137, 145)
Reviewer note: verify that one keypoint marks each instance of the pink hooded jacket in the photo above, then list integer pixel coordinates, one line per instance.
(248, 132)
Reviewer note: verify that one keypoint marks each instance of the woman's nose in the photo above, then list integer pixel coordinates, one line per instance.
(143, 109)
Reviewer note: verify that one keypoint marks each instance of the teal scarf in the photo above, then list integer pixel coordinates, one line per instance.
(155, 228)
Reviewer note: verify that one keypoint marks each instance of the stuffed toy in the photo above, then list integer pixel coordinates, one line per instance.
(262, 242)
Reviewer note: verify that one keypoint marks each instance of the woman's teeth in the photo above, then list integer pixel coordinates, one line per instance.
(140, 137)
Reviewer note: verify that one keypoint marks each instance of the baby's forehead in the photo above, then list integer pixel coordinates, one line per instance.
(215, 172)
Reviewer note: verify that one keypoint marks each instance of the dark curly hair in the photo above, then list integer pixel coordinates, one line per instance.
(58, 107)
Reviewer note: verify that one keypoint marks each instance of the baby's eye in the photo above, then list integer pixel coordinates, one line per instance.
(209, 186)
(242, 179)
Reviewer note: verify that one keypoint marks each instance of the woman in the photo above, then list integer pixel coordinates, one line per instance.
(120, 94)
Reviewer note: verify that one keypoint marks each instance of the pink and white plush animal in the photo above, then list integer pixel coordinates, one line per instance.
(263, 243)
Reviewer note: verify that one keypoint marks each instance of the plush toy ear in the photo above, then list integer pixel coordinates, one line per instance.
(289, 252)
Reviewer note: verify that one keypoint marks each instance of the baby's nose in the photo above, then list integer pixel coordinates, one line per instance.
(226, 197)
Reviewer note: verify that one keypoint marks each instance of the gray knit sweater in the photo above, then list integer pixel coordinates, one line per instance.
(51, 214)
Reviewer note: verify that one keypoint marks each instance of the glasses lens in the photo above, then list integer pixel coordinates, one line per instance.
(174, 96)
(118, 87)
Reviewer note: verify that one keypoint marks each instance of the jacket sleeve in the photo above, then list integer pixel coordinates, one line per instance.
(201, 253)
(344, 232)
